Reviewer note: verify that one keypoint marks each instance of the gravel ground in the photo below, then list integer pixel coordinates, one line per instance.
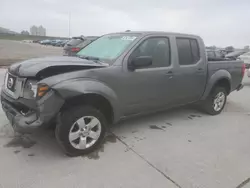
(178, 148)
(13, 51)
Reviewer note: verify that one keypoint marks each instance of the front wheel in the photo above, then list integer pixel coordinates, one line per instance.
(216, 101)
(81, 130)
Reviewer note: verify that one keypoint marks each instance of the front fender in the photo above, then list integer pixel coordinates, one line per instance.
(218, 75)
(76, 87)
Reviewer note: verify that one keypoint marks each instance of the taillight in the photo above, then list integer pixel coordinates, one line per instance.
(75, 49)
(243, 69)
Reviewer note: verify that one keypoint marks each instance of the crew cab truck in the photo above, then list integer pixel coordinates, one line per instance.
(116, 76)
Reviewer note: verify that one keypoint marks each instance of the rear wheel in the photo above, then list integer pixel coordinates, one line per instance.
(80, 130)
(216, 101)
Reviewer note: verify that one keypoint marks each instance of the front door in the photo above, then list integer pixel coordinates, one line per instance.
(149, 88)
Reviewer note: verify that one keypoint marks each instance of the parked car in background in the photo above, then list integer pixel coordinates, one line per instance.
(61, 43)
(87, 41)
(45, 42)
(36, 41)
(76, 44)
(55, 42)
(116, 76)
(235, 55)
(215, 55)
(246, 58)
(27, 41)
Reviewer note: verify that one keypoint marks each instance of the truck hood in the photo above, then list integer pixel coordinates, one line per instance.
(49, 66)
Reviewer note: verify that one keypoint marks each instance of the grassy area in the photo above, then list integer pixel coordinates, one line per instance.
(26, 37)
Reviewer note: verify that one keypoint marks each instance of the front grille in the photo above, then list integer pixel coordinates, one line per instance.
(13, 85)
(11, 82)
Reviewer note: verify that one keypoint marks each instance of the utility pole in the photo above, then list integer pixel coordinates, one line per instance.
(69, 23)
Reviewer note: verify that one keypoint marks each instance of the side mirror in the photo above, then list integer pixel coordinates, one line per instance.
(140, 62)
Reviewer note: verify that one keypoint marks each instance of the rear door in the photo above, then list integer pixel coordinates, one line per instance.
(190, 76)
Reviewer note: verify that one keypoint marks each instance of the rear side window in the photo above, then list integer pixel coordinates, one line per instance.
(195, 50)
(188, 51)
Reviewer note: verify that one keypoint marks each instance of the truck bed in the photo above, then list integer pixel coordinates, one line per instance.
(233, 67)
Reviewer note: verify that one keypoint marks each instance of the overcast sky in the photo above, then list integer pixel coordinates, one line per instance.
(219, 22)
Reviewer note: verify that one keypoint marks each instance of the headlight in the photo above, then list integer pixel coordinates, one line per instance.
(30, 89)
(33, 90)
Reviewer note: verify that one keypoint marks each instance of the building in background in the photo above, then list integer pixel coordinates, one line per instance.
(41, 31)
(33, 30)
(38, 31)
(25, 32)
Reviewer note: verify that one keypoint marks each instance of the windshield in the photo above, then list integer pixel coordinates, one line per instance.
(108, 47)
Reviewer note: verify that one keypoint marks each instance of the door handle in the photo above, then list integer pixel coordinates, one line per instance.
(200, 70)
(169, 74)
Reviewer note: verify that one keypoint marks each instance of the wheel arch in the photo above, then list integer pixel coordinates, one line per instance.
(91, 92)
(221, 78)
(224, 83)
(92, 99)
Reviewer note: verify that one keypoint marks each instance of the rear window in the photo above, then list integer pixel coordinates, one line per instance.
(85, 43)
(74, 42)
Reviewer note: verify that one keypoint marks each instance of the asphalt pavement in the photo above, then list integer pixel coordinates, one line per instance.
(13, 51)
(176, 148)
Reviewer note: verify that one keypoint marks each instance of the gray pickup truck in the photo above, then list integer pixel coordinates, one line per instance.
(116, 76)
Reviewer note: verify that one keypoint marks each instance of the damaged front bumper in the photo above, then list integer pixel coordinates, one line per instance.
(45, 111)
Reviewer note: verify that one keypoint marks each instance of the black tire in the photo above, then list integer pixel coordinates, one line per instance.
(67, 120)
(208, 105)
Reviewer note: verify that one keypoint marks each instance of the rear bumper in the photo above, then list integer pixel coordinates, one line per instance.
(240, 86)
(46, 111)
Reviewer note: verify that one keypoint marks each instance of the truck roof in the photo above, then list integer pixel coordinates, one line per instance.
(145, 33)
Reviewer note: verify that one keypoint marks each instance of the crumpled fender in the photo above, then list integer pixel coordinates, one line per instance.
(75, 87)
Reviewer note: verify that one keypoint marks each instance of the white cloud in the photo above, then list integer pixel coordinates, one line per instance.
(219, 22)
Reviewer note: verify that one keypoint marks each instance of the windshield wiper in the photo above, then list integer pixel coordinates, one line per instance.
(95, 59)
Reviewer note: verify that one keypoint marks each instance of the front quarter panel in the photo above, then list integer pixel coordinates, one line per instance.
(76, 87)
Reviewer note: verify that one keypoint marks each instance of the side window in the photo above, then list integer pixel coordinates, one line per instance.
(188, 51)
(158, 48)
(218, 54)
(195, 50)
